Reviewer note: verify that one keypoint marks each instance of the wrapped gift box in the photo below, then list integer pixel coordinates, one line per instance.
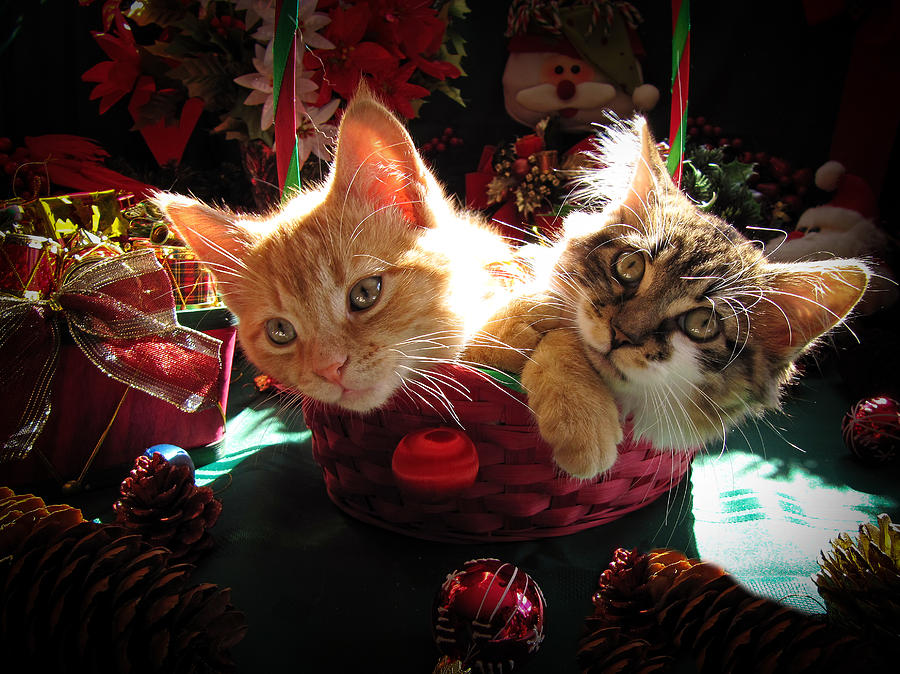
(91, 409)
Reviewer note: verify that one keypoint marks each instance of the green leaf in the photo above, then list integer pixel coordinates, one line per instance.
(453, 93)
(737, 172)
(210, 77)
(161, 12)
(458, 9)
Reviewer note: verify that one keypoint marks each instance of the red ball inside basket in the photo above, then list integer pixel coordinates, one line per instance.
(518, 492)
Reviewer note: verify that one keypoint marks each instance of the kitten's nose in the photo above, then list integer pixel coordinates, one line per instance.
(620, 337)
(332, 372)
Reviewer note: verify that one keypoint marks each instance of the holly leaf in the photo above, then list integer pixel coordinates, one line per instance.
(737, 172)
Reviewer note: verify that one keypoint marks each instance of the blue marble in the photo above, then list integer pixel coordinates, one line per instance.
(173, 454)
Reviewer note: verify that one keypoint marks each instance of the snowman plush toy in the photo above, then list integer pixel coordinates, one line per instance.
(845, 226)
(568, 63)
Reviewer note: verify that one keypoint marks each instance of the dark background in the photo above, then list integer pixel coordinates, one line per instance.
(759, 70)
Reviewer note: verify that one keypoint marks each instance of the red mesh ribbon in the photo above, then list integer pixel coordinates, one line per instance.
(120, 312)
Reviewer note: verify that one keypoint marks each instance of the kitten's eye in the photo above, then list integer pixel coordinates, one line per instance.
(629, 267)
(280, 331)
(365, 293)
(700, 324)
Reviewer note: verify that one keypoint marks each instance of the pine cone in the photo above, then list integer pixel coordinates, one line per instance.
(656, 609)
(23, 514)
(160, 501)
(860, 580)
(92, 598)
(724, 628)
(623, 634)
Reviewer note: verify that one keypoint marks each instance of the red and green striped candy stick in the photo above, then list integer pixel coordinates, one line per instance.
(284, 73)
(681, 63)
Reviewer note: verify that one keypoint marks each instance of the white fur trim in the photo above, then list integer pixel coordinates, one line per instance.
(645, 97)
(829, 174)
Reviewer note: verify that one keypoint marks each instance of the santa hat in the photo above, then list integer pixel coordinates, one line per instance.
(850, 191)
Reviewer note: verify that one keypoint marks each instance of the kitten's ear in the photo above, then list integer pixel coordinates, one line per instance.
(807, 299)
(649, 173)
(629, 170)
(377, 161)
(214, 235)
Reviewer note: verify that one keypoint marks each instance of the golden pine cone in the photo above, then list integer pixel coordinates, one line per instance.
(93, 598)
(160, 501)
(860, 580)
(23, 514)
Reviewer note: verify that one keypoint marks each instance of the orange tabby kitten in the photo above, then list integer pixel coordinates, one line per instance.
(675, 319)
(356, 288)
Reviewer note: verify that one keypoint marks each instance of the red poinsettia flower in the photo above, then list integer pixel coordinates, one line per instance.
(440, 70)
(115, 79)
(343, 65)
(77, 162)
(395, 91)
(412, 25)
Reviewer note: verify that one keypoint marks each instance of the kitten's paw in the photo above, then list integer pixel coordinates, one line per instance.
(586, 450)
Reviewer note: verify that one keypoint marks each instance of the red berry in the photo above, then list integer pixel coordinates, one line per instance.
(762, 157)
(769, 190)
(781, 167)
(792, 201)
(723, 142)
(690, 121)
(214, 22)
(441, 147)
(5, 144)
(693, 131)
(448, 131)
(803, 177)
(701, 121)
(717, 130)
(9, 167)
(456, 141)
(226, 21)
(737, 143)
(707, 129)
(747, 157)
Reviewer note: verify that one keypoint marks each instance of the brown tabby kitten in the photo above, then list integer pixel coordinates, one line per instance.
(355, 288)
(689, 327)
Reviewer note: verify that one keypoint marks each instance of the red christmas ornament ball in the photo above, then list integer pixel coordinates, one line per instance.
(489, 615)
(433, 464)
(871, 430)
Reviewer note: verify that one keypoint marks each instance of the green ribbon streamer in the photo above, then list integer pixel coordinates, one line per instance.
(285, 28)
(680, 33)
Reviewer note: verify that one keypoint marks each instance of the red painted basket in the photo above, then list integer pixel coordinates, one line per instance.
(518, 493)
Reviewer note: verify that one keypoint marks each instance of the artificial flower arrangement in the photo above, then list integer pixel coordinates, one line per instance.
(175, 59)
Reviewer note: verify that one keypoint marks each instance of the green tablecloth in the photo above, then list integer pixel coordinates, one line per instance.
(324, 592)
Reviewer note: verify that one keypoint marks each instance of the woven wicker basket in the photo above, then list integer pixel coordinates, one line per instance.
(518, 493)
